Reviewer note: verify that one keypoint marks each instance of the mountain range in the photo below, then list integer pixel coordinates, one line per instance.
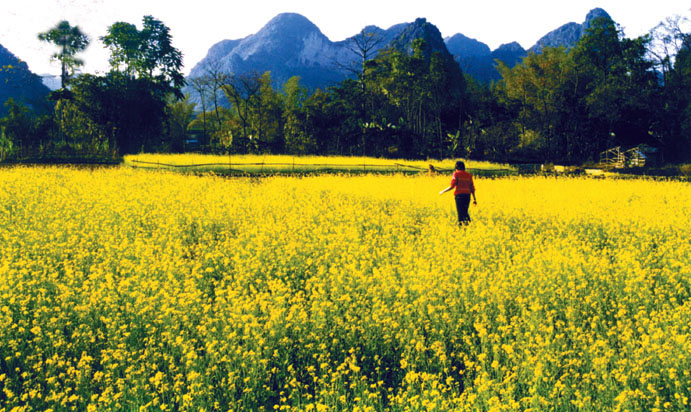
(291, 45)
(477, 60)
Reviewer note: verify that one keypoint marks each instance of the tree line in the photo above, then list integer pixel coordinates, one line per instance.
(562, 105)
(124, 111)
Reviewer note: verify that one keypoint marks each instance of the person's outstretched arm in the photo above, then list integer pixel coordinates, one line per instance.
(446, 190)
(451, 185)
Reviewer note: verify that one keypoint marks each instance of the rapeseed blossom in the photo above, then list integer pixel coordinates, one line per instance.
(126, 289)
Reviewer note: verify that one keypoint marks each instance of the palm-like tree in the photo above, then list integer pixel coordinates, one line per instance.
(71, 41)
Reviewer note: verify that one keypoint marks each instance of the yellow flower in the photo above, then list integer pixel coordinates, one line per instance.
(132, 287)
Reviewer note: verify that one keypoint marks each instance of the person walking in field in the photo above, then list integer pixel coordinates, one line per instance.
(462, 181)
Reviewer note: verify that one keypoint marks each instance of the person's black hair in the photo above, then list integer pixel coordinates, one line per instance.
(460, 165)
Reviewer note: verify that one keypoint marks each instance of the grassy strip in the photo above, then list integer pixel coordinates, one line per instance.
(284, 164)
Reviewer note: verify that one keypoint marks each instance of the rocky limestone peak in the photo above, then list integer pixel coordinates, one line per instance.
(286, 28)
(289, 24)
(285, 31)
(372, 29)
(282, 37)
(384, 36)
(509, 53)
(595, 14)
(568, 34)
(421, 29)
(463, 46)
(512, 47)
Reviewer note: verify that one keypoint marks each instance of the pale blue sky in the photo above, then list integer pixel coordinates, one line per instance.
(196, 25)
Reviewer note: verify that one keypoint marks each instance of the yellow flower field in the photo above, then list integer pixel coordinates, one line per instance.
(126, 289)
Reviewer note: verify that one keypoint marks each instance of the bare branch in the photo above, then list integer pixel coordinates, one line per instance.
(364, 46)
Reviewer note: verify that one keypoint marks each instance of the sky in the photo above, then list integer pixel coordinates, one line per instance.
(196, 25)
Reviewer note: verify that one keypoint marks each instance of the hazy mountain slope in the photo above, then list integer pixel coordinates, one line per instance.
(476, 59)
(290, 45)
(19, 83)
(569, 34)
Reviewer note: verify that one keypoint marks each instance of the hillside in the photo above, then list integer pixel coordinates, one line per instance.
(19, 83)
(291, 45)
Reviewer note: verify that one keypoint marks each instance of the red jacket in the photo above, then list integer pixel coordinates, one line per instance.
(463, 182)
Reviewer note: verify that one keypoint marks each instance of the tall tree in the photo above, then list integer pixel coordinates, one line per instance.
(364, 45)
(243, 92)
(342, 109)
(294, 96)
(129, 103)
(598, 57)
(71, 41)
(681, 96)
(215, 78)
(268, 117)
(146, 54)
(540, 89)
(667, 40)
(618, 88)
(671, 52)
(124, 42)
(161, 61)
(180, 115)
(417, 102)
(447, 95)
(201, 86)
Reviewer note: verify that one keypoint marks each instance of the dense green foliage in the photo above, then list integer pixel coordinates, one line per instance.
(562, 105)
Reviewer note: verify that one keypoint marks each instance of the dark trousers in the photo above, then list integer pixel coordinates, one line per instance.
(462, 204)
